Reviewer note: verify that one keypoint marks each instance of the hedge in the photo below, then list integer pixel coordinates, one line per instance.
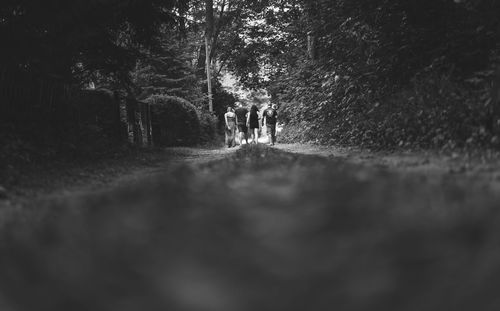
(177, 122)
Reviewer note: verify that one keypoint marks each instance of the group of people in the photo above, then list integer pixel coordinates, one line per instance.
(244, 122)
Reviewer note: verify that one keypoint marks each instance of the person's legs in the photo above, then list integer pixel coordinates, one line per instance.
(271, 133)
(227, 133)
(233, 136)
(268, 132)
(256, 135)
(245, 133)
(242, 133)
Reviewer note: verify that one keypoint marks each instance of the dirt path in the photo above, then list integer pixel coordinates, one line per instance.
(420, 162)
(72, 181)
(258, 228)
(172, 157)
(485, 170)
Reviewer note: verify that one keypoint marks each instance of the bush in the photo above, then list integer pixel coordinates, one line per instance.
(87, 124)
(434, 111)
(98, 119)
(413, 74)
(174, 121)
(177, 122)
(208, 126)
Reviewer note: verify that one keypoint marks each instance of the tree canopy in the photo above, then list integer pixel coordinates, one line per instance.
(66, 38)
(323, 58)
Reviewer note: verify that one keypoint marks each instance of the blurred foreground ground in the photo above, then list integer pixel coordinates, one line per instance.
(259, 228)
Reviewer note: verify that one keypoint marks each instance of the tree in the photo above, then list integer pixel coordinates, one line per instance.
(209, 39)
(50, 46)
(223, 22)
(72, 39)
(167, 71)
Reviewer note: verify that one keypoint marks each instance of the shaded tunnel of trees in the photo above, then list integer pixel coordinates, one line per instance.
(371, 73)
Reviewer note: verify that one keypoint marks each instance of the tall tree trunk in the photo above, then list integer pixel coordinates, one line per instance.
(311, 13)
(311, 45)
(495, 102)
(133, 116)
(209, 75)
(208, 39)
(131, 107)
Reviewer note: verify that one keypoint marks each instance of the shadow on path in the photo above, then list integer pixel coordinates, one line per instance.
(257, 228)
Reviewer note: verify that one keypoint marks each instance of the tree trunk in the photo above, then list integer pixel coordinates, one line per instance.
(495, 102)
(131, 107)
(208, 39)
(311, 45)
(311, 13)
(209, 76)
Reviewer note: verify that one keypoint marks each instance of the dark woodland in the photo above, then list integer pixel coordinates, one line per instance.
(372, 73)
(116, 192)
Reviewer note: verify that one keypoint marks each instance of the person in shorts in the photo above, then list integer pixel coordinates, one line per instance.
(241, 116)
(269, 120)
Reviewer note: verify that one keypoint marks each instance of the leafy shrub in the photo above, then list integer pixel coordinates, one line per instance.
(98, 119)
(177, 122)
(86, 121)
(434, 111)
(208, 127)
(221, 100)
(391, 73)
(174, 121)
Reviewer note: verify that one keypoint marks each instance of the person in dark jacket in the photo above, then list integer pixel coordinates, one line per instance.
(269, 120)
(241, 114)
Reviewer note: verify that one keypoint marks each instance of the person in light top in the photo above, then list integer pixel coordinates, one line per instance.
(230, 121)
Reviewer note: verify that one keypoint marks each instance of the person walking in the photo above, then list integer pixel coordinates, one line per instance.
(253, 123)
(241, 116)
(269, 120)
(230, 128)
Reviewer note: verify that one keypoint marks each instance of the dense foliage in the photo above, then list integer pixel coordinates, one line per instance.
(53, 51)
(404, 73)
(68, 38)
(177, 122)
(375, 73)
(382, 73)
